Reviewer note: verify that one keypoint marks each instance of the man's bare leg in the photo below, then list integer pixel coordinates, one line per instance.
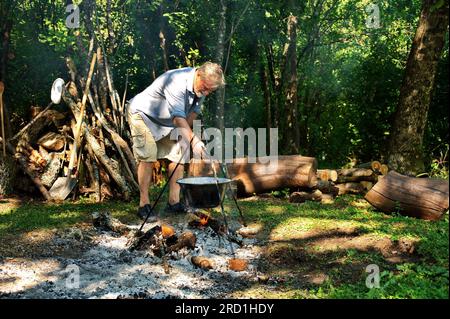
(174, 188)
(144, 173)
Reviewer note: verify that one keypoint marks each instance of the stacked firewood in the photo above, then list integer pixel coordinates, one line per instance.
(104, 163)
(331, 183)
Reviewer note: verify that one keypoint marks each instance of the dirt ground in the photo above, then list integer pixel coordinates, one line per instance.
(33, 263)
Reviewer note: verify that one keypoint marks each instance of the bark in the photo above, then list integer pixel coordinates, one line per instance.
(327, 187)
(424, 198)
(405, 153)
(265, 86)
(301, 197)
(220, 49)
(98, 151)
(6, 39)
(291, 132)
(275, 85)
(24, 165)
(261, 177)
(111, 35)
(356, 175)
(162, 38)
(350, 188)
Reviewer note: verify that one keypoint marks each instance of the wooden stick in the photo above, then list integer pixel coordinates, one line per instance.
(2, 89)
(81, 115)
(122, 108)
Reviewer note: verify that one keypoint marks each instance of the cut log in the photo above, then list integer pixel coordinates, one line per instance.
(367, 185)
(350, 188)
(301, 197)
(52, 141)
(425, 198)
(327, 187)
(356, 175)
(202, 262)
(44, 153)
(23, 163)
(374, 166)
(327, 175)
(51, 171)
(260, 175)
(327, 199)
(384, 169)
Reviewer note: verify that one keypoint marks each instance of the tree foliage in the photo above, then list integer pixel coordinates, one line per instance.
(349, 69)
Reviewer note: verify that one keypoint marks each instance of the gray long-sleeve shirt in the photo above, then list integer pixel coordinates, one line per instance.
(170, 95)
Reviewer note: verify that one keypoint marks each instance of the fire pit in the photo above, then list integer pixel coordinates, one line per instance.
(203, 192)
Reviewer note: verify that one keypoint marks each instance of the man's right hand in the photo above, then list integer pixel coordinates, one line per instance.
(198, 148)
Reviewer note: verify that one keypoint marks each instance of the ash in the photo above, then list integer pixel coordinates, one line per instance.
(108, 269)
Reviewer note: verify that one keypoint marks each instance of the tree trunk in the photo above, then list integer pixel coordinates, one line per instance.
(405, 152)
(111, 36)
(220, 49)
(162, 38)
(265, 86)
(275, 85)
(6, 37)
(291, 131)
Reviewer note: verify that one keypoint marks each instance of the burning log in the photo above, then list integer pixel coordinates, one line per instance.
(202, 262)
(200, 219)
(139, 240)
(425, 198)
(186, 239)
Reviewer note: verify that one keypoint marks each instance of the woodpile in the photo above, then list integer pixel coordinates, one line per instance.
(331, 183)
(103, 164)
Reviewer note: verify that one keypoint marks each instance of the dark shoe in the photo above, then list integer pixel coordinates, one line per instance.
(143, 212)
(177, 208)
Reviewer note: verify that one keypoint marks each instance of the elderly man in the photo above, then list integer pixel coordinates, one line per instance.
(172, 101)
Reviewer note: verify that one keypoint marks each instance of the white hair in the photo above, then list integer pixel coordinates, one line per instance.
(212, 73)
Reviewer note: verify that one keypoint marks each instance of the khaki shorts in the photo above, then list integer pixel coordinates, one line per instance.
(145, 148)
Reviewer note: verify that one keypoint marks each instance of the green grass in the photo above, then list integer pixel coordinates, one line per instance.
(284, 225)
